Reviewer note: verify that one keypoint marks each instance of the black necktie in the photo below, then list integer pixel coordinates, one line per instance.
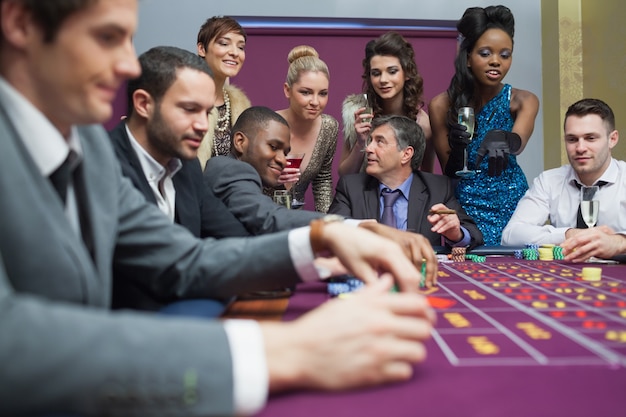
(580, 222)
(60, 178)
(389, 199)
(70, 170)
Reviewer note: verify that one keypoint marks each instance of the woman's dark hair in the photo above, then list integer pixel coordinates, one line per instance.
(393, 44)
(217, 26)
(475, 22)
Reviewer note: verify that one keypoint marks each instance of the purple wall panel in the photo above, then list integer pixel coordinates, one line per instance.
(264, 72)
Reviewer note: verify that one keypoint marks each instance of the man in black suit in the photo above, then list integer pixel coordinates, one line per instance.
(422, 202)
(158, 143)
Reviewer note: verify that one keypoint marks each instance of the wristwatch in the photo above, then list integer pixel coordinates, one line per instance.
(315, 235)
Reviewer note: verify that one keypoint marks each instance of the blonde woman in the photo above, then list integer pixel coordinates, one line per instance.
(312, 132)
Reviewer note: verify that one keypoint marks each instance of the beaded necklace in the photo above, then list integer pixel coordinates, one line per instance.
(223, 122)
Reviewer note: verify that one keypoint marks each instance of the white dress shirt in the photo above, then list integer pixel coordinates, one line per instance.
(49, 149)
(159, 177)
(550, 207)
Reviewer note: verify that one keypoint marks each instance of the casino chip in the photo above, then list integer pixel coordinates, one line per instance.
(458, 254)
(476, 258)
(592, 274)
(530, 253)
(343, 285)
(557, 252)
(546, 254)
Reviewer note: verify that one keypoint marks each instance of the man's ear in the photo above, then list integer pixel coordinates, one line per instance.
(407, 155)
(613, 139)
(17, 23)
(240, 143)
(143, 104)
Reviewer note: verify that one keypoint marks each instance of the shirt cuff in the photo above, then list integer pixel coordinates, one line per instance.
(465, 241)
(302, 254)
(354, 222)
(250, 374)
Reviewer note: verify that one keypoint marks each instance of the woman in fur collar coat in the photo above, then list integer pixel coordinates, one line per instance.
(222, 44)
(393, 86)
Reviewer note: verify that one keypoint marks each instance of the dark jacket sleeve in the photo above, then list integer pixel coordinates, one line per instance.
(341, 202)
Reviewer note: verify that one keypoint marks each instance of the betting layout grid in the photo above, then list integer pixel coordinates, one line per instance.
(529, 313)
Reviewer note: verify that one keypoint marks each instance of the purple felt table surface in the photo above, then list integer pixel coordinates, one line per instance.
(513, 338)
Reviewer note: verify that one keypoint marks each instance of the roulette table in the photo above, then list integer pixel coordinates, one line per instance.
(513, 338)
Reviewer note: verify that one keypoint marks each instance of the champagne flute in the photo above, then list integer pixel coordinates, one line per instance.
(368, 110)
(294, 160)
(283, 198)
(589, 205)
(466, 118)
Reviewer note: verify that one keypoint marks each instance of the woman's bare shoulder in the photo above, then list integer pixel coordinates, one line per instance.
(439, 103)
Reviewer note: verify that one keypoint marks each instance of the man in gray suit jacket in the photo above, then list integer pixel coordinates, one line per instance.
(424, 203)
(260, 142)
(61, 349)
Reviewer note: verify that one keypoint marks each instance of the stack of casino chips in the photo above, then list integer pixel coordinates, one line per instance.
(475, 258)
(342, 286)
(591, 274)
(531, 252)
(546, 253)
(458, 254)
(557, 253)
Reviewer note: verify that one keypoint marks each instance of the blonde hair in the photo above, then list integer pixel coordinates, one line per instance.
(304, 58)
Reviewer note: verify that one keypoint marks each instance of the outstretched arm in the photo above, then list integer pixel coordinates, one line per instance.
(371, 338)
(524, 108)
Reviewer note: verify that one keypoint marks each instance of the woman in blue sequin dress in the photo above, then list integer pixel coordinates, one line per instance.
(484, 59)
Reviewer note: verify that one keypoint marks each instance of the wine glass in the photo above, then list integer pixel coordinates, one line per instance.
(294, 160)
(368, 110)
(589, 205)
(283, 198)
(466, 118)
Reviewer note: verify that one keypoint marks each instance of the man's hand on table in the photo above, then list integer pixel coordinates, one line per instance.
(415, 246)
(366, 255)
(599, 242)
(370, 338)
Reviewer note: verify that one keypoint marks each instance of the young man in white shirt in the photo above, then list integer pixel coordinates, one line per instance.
(548, 212)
